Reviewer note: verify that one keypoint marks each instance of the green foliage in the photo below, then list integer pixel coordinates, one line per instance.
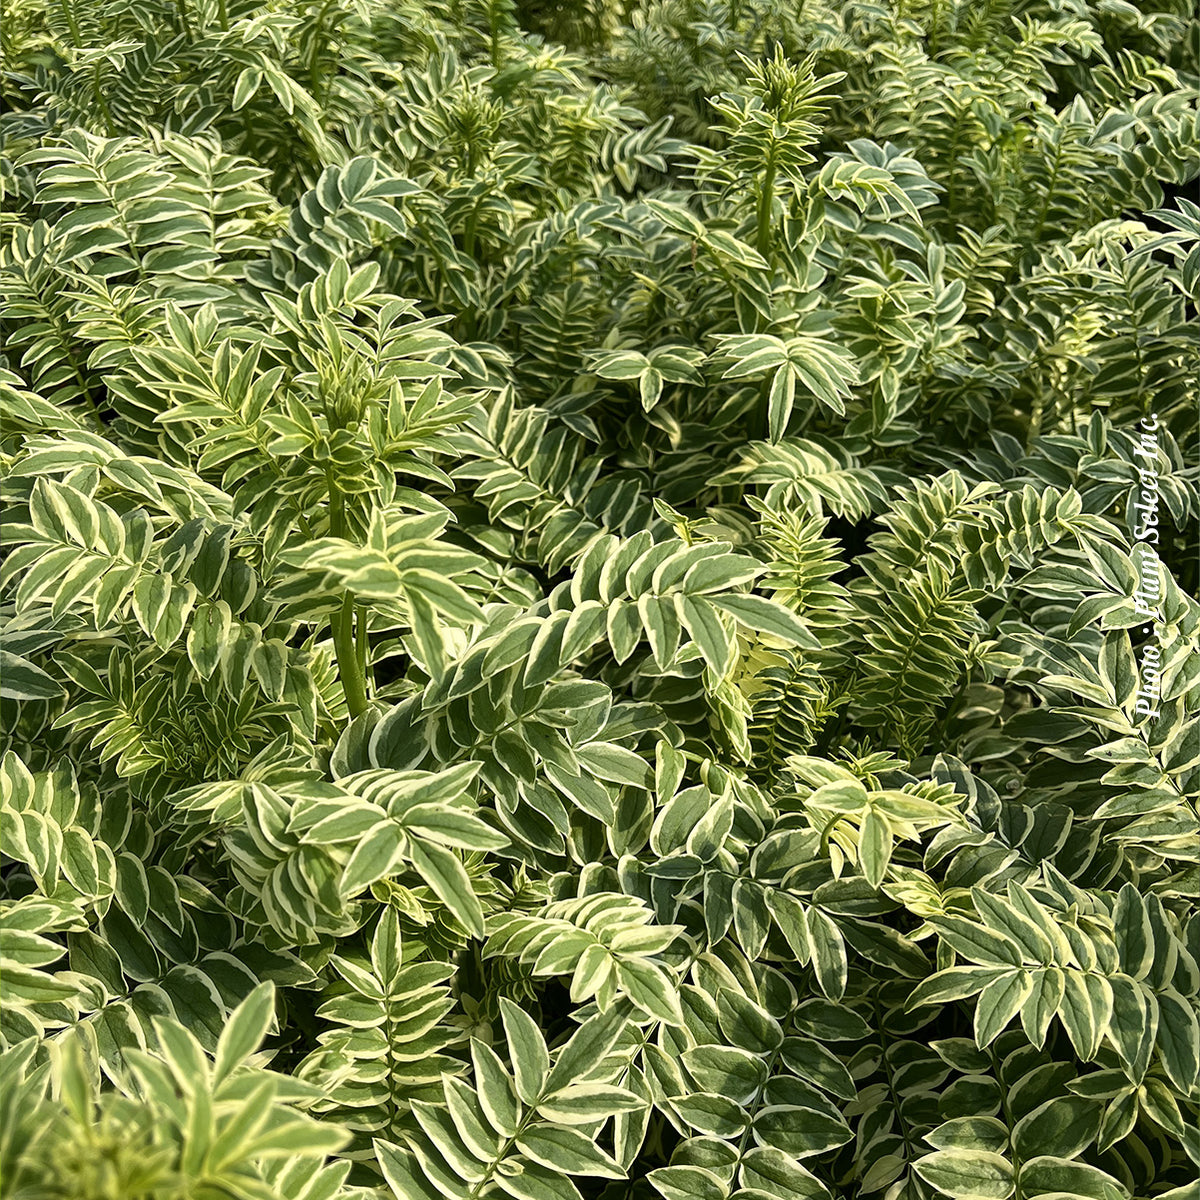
(599, 600)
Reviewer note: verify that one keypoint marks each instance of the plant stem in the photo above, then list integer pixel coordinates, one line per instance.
(765, 197)
(354, 684)
(360, 638)
(102, 104)
(494, 33)
(72, 23)
(351, 667)
(315, 73)
(469, 231)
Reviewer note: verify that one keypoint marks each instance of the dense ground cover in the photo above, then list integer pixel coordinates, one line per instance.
(599, 601)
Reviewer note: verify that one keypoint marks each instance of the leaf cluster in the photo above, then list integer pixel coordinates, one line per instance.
(599, 600)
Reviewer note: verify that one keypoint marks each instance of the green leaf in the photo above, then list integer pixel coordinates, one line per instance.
(1051, 1174)
(22, 680)
(403, 1173)
(976, 942)
(780, 400)
(688, 1183)
(769, 1170)
(496, 1090)
(615, 764)
(970, 1133)
(451, 827)
(711, 1114)
(568, 1152)
(35, 987)
(874, 847)
(589, 1045)
(1043, 1002)
(1179, 1039)
(727, 1071)
(650, 988)
(800, 1132)
(534, 1182)
(828, 953)
(376, 855)
(968, 1174)
(998, 1003)
(955, 983)
(747, 1024)
(248, 83)
(445, 874)
(767, 616)
(1063, 1127)
(1007, 920)
(650, 387)
(1079, 1015)
(208, 637)
(583, 1103)
(818, 1064)
(527, 1049)
(700, 619)
(247, 1026)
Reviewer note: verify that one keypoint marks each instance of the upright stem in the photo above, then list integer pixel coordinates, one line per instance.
(72, 24)
(102, 104)
(360, 638)
(316, 75)
(354, 684)
(470, 228)
(765, 198)
(351, 667)
(494, 31)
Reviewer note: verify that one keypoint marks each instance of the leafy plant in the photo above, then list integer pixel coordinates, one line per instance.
(599, 601)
